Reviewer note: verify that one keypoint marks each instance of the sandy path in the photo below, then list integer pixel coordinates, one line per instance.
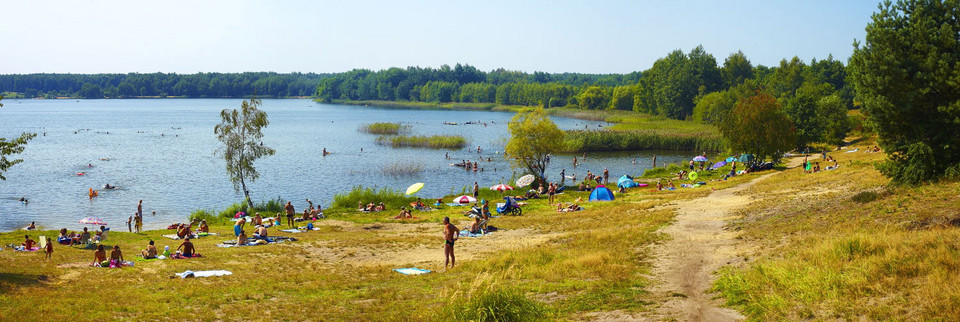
(700, 245)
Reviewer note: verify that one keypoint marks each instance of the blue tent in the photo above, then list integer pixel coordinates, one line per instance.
(601, 193)
(626, 182)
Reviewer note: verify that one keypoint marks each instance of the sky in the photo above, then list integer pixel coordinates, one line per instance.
(84, 36)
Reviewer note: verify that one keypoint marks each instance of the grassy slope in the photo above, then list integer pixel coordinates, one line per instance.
(593, 260)
(825, 256)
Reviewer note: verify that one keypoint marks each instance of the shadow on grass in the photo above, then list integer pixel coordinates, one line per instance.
(11, 281)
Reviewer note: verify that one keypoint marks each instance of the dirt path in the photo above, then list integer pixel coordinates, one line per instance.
(700, 245)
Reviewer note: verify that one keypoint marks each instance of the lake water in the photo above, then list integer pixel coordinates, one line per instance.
(162, 151)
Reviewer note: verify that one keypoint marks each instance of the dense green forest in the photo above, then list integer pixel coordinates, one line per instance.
(683, 86)
(131, 85)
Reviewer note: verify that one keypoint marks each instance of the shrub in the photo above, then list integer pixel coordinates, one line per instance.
(267, 208)
(209, 216)
(586, 141)
(494, 305)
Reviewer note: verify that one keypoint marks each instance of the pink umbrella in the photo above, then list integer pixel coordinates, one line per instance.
(464, 199)
(93, 221)
(501, 187)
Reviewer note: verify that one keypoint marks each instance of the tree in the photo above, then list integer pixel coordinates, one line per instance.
(239, 131)
(622, 98)
(736, 69)
(757, 125)
(906, 75)
(90, 91)
(833, 114)
(533, 137)
(803, 110)
(593, 98)
(12, 147)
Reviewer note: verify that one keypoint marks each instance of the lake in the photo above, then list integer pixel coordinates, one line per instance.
(162, 151)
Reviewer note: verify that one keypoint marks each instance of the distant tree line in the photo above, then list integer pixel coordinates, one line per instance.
(263, 84)
(681, 85)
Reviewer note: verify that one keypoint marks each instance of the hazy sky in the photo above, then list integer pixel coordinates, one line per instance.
(86, 36)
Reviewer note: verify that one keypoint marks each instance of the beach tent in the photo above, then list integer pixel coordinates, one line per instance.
(601, 193)
(626, 181)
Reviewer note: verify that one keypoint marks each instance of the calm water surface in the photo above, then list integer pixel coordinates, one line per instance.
(162, 151)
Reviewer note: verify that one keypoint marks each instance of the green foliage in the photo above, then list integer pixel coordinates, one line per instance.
(736, 69)
(499, 304)
(622, 98)
(391, 198)
(586, 141)
(676, 80)
(419, 141)
(14, 146)
(265, 84)
(384, 128)
(833, 116)
(758, 126)
(240, 133)
(593, 98)
(209, 216)
(864, 196)
(906, 75)
(266, 208)
(533, 138)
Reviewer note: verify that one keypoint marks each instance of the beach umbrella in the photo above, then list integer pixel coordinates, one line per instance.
(412, 189)
(731, 159)
(700, 158)
(93, 221)
(718, 165)
(501, 187)
(746, 158)
(525, 181)
(464, 199)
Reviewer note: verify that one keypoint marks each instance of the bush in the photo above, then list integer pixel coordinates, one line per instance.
(391, 198)
(864, 196)
(267, 208)
(586, 141)
(209, 216)
(494, 305)
(384, 128)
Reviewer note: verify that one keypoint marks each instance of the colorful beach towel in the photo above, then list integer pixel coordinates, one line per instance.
(467, 233)
(411, 271)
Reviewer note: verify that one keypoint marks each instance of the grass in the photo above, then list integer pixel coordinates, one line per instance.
(639, 131)
(832, 247)
(391, 198)
(419, 141)
(384, 128)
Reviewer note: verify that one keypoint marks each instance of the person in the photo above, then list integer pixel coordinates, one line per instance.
(28, 243)
(551, 191)
(48, 250)
(130, 224)
(116, 255)
(183, 231)
(257, 220)
(654, 160)
(241, 238)
(203, 227)
(476, 189)
(670, 185)
(260, 232)
(360, 206)
(475, 227)
(582, 187)
(138, 223)
(83, 237)
(239, 226)
(659, 185)
(691, 165)
(404, 214)
(606, 176)
(150, 251)
(63, 238)
(450, 236)
(140, 208)
(381, 206)
(188, 248)
(816, 167)
(100, 256)
(563, 176)
(32, 226)
(306, 215)
(574, 161)
(290, 211)
(310, 203)
(485, 206)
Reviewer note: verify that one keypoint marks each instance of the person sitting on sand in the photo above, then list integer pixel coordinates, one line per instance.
(260, 232)
(116, 254)
(371, 207)
(256, 220)
(150, 252)
(475, 226)
(360, 206)
(306, 215)
(404, 214)
(203, 227)
(188, 248)
(242, 238)
(816, 167)
(682, 174)
(183, 231)
(83, 237)
(659, 185)
(439, 202)
(100, 256)
(582, 187)
(670, 185)
(63, 238)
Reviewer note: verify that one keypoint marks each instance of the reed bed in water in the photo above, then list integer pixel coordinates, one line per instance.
(403, 169)
(433, 142)
(384, 128)
(603, 140)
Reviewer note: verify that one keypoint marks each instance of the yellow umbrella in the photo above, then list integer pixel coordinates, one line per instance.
(412, 189)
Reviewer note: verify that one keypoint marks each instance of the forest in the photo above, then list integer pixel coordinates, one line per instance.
(134, 85)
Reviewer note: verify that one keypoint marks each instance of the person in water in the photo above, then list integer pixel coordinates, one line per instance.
(33, 226)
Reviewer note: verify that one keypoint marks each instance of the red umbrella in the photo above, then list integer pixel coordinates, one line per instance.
(464, 199)
(501, 187)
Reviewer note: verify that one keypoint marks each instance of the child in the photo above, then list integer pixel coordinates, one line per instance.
(130, 224)
(49, 249)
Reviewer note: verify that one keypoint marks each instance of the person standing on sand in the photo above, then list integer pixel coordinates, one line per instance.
(138, 223)
(290, 212)
(450, 236)
(476, 190)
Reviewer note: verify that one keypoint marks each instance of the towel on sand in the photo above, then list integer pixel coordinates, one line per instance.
(180, 256)
(467, 233)
(411, 271)
(189, 274)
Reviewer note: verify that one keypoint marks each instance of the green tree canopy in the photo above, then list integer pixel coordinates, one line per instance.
(12, 147)
(593, 98)
(533, 137)
(757, 125)
(240, 133)
(907, 76)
